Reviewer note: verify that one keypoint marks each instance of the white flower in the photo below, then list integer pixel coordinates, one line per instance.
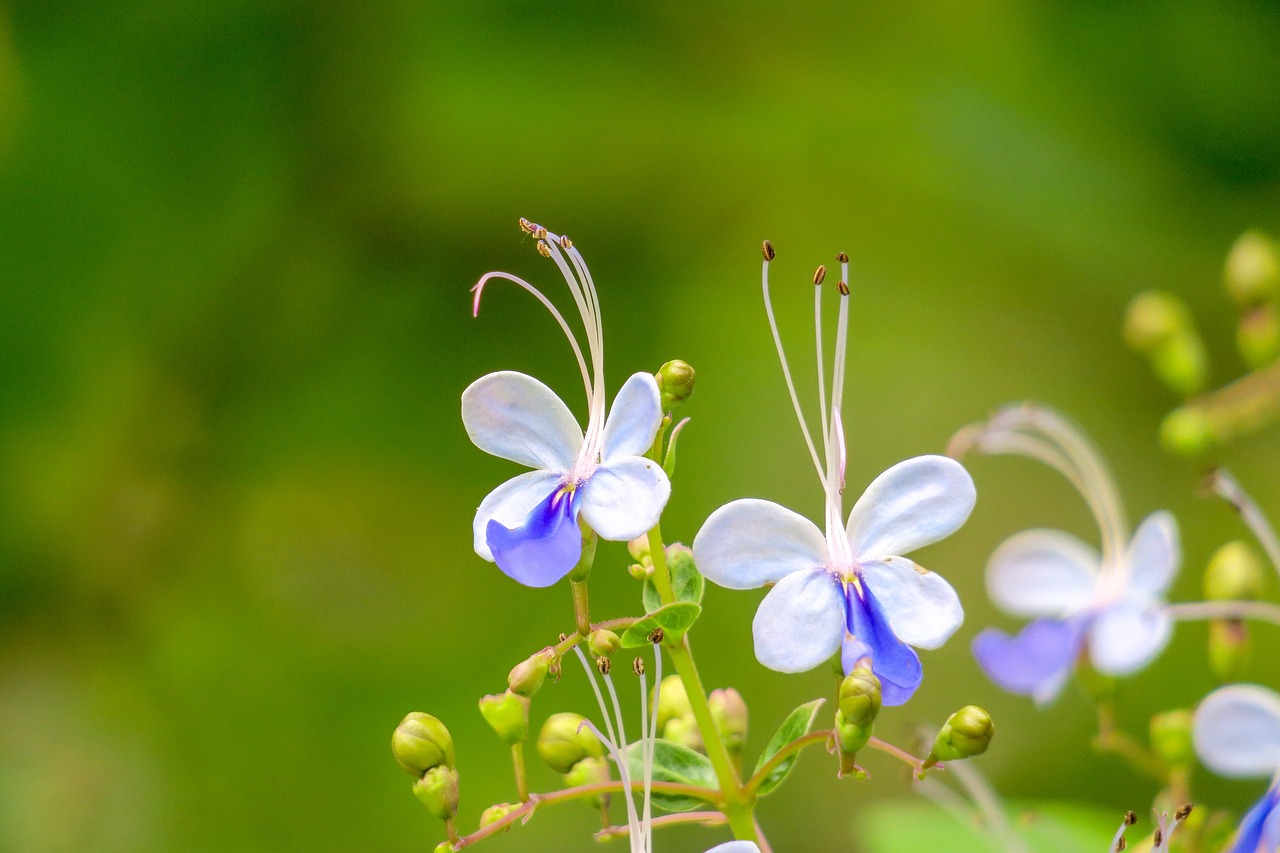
(529, 525)
(735, 847)
(847, 585)
(1237, 734)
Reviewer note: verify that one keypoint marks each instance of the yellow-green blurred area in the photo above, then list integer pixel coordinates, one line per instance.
(236, 242)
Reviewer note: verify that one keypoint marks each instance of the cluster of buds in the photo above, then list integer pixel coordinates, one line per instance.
(856, 715)
(1252, 279)
(967, 733)
(675, 715)
(1234, 573)
(423, 747)
(569, 747)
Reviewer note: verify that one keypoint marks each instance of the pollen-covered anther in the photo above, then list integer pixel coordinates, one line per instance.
(1183, 812)
(843, 288)
(1158, 838)
(820, 274)
(543, 248)
(1130, 818)
(655, 636)
(842, 257)
(603, 665)
(1121, 845)
(526, 226)
(566, 243)
(767, 249)
(637, 666)
(539, 232)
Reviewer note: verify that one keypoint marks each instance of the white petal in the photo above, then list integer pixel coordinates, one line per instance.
(735, 847)
(800, 623)
(922, 608)
(750, 542)
(625, 497)
(1127, 636)
(1042, 573)
(633, 419)
(1154, 555)
(914, 503)
(1237, 731)
(516, 417)
(510, 503)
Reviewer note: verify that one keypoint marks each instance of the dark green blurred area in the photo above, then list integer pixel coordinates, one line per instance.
(235, 491)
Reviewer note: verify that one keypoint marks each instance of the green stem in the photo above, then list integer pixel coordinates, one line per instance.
(900, 754)
(522, 783)
(753, 784)
(581, 608)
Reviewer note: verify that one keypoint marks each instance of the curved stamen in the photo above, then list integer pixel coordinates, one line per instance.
(1226, 487)
(820, 350)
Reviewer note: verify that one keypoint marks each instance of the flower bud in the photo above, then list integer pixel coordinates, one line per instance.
(564, 741)
(675, 382)
(1159, 326)
(1258, 336)
(1252, 270)
(860, 696)
(495, 813)
(421, 742)
(967, 733)
(1229, 648)
(590, 771)
(508, 714)
(1188, 431)
(683, 731)
(604, 643)
(1235, 573)
(444, 847)
(850, 737)
(729, 713)
(528, 676)
(438, 790)
(673, 702)
(1171, 737)
(638, 548)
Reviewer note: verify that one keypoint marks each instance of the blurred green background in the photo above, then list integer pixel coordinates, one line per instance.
(237, 242)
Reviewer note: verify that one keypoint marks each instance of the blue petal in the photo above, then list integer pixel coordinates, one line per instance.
(894, 662)
(1258, 825)
(1037, 661)
(545, 547)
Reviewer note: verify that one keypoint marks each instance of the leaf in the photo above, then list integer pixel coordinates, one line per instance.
(686, 581)
(673, 619)
(796, 725)
(674, 763)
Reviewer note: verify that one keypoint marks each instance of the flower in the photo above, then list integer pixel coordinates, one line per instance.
(529, 525)
(1237, 734)
(1110, 603)
(847, 586)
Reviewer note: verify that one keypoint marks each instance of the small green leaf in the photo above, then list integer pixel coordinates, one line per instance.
(796, 725)
(673, 619)
(686, 580)
(678, 764)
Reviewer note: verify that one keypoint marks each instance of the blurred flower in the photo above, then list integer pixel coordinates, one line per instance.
(735, 847)
(848, 587)
(1110, 603)
(1237, 734)
(529, 525)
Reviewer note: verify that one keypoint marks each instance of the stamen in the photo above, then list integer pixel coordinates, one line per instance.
(1117, 841)
(1225, 486)
(526, 226)
(615, 742)
(820, 275)
(767, 248)
(645, 745)
(652, 742)
(603, 665)
(595, 687)
(543, 248)
(843, 288)
(843, 257)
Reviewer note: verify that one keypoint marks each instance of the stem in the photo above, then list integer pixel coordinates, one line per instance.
(900, 754)
(522, 784)
(452, 829)
(570, 794)
(753, 784)
(1110, 739)
(581, 608)
(704, 818)
(1258, 610)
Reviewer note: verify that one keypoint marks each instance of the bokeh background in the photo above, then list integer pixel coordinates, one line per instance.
(237, 242)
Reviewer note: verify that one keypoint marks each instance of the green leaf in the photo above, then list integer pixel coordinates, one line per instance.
(686, 581)
(675, 763)
(796, 725)
(673, 619)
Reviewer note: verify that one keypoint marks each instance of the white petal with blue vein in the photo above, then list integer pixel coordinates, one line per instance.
(921, 607)
(511, 503)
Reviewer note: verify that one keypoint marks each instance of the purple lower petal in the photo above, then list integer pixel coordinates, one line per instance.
(894, 662)
(545, 547)
(1037, 661)
(1261, 824)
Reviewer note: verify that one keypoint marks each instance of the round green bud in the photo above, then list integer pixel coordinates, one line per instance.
(1229, 649)
(1188, 431)
(673, 703)
(1182, 364)
(1154, 319)
(675, 383)
(438, 791)
(444, 847)
(683, 731)
(1258, 336)
(729, 713)
(967, 733)
(860, 696)
(638, 548)
(420, 743)
(564, 741)
(495, 813)
(1252, 270)
(529, 675)
(604, 643)
(1235, 573)
(1171, 737)
(590, 771)
(851, 736)
(508, 714)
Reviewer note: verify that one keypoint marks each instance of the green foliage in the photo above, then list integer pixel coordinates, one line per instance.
(674, 763)
(797, 724)
(686, 581)
(674, 620)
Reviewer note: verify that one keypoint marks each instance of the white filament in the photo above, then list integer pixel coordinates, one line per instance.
(786, 374)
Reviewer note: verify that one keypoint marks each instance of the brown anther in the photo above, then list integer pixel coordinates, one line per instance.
(843, 288)
(843, 257)
(655, 636)
(603, 665)
(526, 226)
(819, 274)
(1183, 811)
(539, 232)
(767, 248)
(1121, 844)
(566, 243)
(544, 249)
(1157, 839)
(637, 666)
(1130, 818)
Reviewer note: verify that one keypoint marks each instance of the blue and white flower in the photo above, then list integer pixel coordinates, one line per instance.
(1237, 734)
(1108, 605)
(847, 587)
(531, 525)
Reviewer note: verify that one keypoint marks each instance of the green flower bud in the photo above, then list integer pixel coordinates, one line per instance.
(860, 697)
(851, 736)
(420, 743)
(1235, 573)
(1252, 270)
(673, 703)
(444, 847)
(564, 741)
(604, 643)
(1229, 649)
(438, 790)
(1153, 319)
(683, 731)
(1182, 364)
(1188, 431)
(638, 548)
(967, 733)
(675, 383)
(495, 813)
(528, 676)
(1171, 737)
(508, 714)
(1258, 336)
(729, 713)
(590, 771)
